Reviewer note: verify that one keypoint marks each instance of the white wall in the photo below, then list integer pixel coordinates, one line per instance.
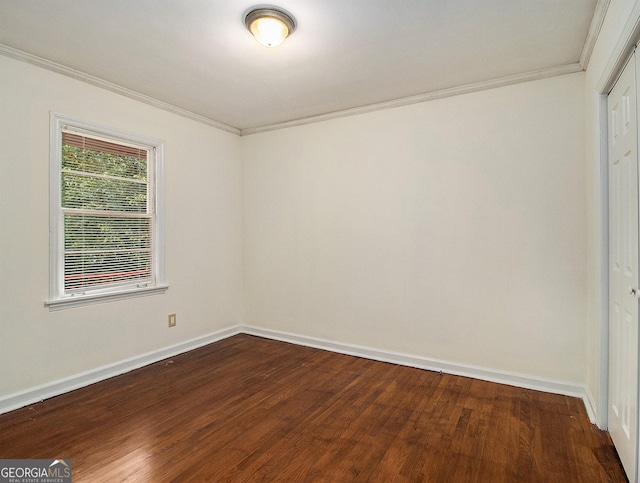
(453, 229)
(618, 14)
(203, 234)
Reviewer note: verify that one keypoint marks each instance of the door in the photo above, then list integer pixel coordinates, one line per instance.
(623, 268)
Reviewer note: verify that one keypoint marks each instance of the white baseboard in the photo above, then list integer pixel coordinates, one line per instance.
(512, 379)
(61, 386)
(591, 407)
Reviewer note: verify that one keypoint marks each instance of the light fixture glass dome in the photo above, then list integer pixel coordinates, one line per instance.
(270, 26)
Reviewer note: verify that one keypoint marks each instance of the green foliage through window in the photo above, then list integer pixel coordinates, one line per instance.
(107, 221)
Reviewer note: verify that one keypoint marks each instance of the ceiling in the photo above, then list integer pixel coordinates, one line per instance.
(196, 56)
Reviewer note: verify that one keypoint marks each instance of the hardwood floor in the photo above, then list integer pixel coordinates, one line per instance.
(250, 409)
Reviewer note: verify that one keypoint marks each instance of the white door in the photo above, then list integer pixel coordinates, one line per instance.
(623, 268)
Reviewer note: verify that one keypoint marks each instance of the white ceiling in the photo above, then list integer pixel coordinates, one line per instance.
(198, 56)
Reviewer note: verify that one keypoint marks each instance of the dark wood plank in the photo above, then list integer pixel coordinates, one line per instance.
(250, 409)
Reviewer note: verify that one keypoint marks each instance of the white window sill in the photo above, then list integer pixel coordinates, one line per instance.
(83, 300)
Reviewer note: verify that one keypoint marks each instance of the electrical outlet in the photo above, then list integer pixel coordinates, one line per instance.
(172, 320)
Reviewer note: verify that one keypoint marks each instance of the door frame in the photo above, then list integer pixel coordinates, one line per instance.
(625, 46)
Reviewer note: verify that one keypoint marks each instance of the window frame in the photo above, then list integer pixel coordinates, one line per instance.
(58, 299)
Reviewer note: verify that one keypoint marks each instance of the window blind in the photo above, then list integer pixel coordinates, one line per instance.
(107, 211)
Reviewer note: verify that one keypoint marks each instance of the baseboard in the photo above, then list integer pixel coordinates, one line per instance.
(591, 407)
(512, 379)
(61, 386)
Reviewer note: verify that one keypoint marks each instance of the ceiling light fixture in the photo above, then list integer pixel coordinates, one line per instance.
(269, 25)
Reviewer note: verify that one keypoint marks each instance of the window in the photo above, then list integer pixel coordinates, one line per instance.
(106, 217)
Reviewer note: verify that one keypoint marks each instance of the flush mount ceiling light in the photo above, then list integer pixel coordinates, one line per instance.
(269, 25)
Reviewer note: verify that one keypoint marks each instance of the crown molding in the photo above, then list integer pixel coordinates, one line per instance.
(96, 81)
(405, 101)
(625, 45)
(429, 96)
(594, 30)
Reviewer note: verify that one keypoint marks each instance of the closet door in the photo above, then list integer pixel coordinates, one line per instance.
(623, 268)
